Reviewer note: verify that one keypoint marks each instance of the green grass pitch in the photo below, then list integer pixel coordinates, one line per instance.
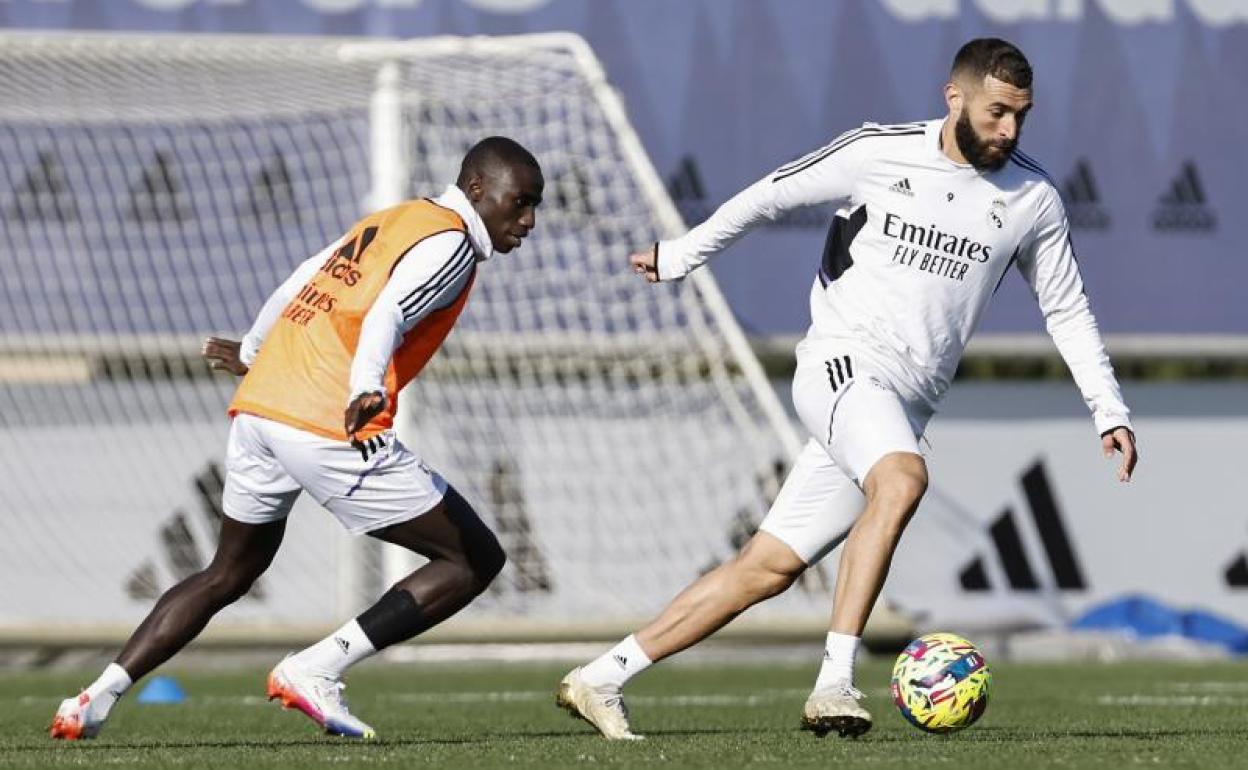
(492, 715)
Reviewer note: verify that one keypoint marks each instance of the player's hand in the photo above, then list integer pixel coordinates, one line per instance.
(646, 263)
(222, 355)
(363, 408)
(1123, 440)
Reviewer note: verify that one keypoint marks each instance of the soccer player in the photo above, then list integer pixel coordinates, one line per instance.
(346, 331)
(935, 213)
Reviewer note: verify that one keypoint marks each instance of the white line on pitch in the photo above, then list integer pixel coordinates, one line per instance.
(1185, 701)
(1218, 687)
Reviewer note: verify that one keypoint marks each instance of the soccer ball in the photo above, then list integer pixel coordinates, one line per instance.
(940, 683)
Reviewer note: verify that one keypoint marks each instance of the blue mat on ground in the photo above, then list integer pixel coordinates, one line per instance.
(1147, 617)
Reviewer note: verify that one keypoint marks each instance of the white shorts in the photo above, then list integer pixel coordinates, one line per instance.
(855, 418)
(268, 463)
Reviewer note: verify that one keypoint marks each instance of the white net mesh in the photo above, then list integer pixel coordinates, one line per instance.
(154, 190)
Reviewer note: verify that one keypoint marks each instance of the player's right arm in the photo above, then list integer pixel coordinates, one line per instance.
(278, 301)
(825, 175)
(237, 357)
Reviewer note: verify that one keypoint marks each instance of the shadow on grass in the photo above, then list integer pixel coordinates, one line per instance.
(241, 744)
(985, 734)
(1147, 734)
(1004, 733)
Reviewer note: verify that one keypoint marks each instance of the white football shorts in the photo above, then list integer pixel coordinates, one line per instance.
(854, 417)
(269, 463)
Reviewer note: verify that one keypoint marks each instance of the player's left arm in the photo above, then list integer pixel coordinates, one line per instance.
(1047, 262)
(428, 277)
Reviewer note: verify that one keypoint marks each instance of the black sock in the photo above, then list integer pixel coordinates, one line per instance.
(396, 617)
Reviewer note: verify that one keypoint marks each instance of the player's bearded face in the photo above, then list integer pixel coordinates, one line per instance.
(985, 154)
(990, 122)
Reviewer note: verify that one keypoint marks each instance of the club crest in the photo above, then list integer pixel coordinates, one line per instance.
(996, 213)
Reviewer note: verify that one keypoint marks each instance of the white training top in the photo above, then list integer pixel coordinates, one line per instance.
(429, 277)
(918, 250)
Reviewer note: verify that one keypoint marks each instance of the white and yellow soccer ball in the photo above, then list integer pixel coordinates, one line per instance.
(941, 683)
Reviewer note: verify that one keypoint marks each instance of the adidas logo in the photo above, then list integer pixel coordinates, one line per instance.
(687, 191)
(272, 195)
(343, 644)
(158, 194)
(44, 194)
(1083, 204)
(1183, 206)
(181, 546)
(902, 186)
(686, 183)
(1011, 552)
(1237, 572)
(622, 660)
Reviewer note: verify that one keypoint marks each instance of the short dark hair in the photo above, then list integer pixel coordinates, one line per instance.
(494, 151)
(993, 56)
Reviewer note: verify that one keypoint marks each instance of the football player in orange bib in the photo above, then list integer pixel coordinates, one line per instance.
(322, 367)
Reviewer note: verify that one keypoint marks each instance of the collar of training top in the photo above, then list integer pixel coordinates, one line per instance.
(932, 139)
(454, 199)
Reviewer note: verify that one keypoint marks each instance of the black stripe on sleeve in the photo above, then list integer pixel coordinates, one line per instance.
(1024, 156)
(829, 147)
(834, 148)
(419, 305)
(812, 155)
(454, 265)
(1005, 272)
(437, 275)
(1030, 165)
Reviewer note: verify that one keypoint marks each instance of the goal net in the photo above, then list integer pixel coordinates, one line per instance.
(619, 437)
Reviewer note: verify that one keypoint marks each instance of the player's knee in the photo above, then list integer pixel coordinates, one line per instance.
(897, 482)
(766, 583)
(763, 574)
(480, 561)
(488, 561)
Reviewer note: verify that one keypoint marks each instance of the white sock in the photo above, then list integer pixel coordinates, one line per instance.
(839, 653)
(617, 665)
(335, 653)
(110, 686)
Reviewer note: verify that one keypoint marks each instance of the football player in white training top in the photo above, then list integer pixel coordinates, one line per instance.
(934, 215)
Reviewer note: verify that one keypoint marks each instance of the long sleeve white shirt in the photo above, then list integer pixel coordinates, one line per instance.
(918, 251)
(278, 300)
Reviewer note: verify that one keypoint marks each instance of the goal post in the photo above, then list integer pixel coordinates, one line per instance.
(619, 437)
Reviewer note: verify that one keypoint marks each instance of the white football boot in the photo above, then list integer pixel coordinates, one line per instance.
(81, 717)
(602, 708)
(837, 708)
(320, 697)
